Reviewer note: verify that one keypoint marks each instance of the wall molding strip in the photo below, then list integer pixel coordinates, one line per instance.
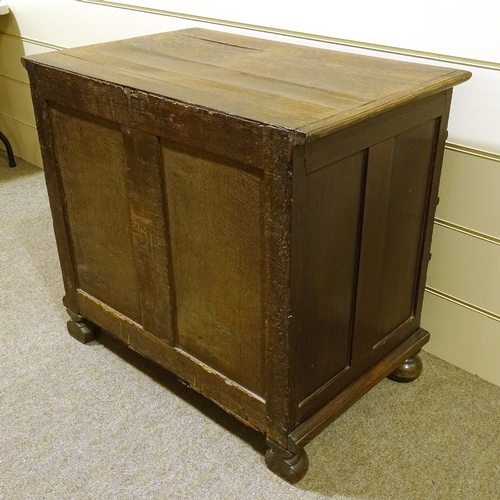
(473, 152)
(467, 231)
(5, 77)
(309, 36)
(34, 41)
(463, 303)
(7, 117)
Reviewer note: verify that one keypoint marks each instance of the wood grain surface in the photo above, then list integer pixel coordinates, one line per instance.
(292, 86)
(254, 216)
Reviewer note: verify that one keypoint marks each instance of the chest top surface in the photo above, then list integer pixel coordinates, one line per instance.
(285, 85)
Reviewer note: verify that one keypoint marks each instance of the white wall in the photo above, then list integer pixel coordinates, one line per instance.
(462, 305)
(440, 27)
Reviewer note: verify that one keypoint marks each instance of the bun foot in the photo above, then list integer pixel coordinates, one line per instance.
(81, 329)
(409, 371)
(290, 467)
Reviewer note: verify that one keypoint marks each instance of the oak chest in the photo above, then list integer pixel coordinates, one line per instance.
(254, 216)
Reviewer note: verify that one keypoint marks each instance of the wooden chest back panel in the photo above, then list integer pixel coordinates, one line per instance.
(215, 220)
(168, 236)
(92, 164)
(184, 261)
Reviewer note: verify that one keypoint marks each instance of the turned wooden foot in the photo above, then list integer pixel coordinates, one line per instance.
(290, 467)
(81, 329)
(408, 371)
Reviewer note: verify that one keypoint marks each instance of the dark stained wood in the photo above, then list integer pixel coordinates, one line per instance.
(229, 136)
(276, 217)
(254, 216)
(432, 200)
(291, 467)
(343, 400)
(83, 331)
(408, 371)
(350, 140)
(397, 187)
(329, 273)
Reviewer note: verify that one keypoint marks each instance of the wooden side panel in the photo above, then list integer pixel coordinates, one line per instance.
(361, 382)
(92, 161)
(215, 220)
(333, 209)
(395, 216)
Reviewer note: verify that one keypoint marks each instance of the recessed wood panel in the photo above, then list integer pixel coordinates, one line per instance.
(333, 209)
(91, 159)
(215, 231)
(397, 191)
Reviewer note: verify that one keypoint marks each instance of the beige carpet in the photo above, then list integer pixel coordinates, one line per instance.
(99, 422)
